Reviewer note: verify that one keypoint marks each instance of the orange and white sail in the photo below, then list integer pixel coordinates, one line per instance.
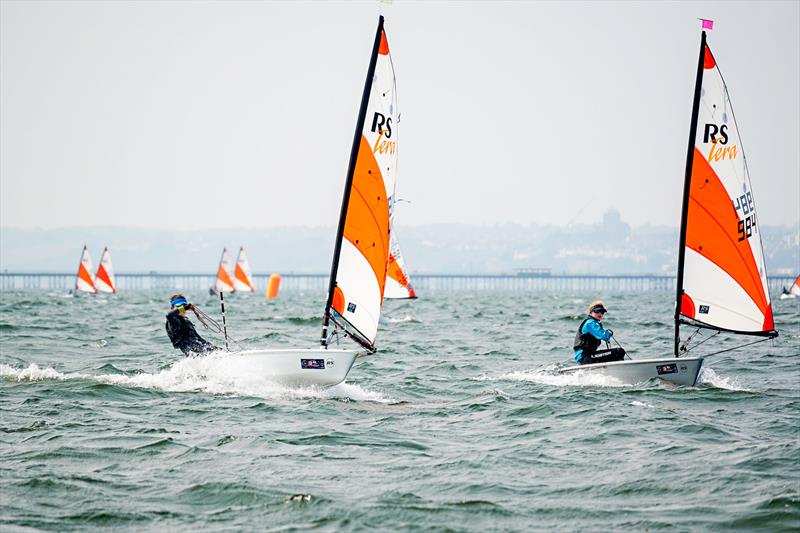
(361, 253)
(398, 284)
(723, 275)
(84, 281)
(224, 283)
(243, 275)
(104, 280)
(795, 289)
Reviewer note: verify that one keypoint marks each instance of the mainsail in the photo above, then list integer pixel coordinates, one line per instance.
(84, 281)
(722, 278)
(398, 284)
(243, 276)
(104, 280)
(361, 253)
(795, 287)
(224, 283)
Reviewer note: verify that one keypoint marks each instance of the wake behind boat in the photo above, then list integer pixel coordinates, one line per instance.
(361, 253)
(722, 281)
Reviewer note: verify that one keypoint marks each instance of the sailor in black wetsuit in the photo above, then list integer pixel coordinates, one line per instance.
(589, 335)
(181, 331)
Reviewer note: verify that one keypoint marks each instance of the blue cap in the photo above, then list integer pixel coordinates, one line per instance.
(179, 302)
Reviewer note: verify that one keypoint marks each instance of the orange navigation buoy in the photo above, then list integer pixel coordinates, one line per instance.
(273, 286)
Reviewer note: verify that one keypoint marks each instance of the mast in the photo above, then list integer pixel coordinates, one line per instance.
(686, 188)
(362, 113)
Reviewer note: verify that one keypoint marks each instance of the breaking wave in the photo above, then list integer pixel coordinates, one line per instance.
(199, 374)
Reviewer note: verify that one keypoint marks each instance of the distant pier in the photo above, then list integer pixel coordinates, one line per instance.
(520, 281)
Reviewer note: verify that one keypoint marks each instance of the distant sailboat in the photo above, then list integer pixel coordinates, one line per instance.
(722, 278)
(104, 280)
(224, 271)
(84, 281)
(793, 292)
(243, 275)
(361, 252)
(398, 283)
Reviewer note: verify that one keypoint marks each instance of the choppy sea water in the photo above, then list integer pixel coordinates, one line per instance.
(460, 422)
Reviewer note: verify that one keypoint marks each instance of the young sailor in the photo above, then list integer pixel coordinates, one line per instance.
(589, 335)
(181, 331)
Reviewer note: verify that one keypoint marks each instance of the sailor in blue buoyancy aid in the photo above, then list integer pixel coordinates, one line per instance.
(590, 334)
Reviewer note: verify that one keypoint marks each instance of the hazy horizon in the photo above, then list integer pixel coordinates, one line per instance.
(187, 115)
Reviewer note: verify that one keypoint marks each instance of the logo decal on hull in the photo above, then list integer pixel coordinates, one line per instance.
(703, 310)
(318, 364)
(671, 368)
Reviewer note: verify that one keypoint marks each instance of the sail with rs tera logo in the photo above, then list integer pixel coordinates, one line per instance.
(722, 277)
(361, 252)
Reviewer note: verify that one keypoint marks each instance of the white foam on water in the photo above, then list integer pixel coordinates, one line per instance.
(710, 378)
(32, 373)
(407, 318)
(551, 377)
(637, 403)
(202, 374)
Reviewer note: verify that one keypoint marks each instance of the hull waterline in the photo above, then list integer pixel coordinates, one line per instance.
(680, 371)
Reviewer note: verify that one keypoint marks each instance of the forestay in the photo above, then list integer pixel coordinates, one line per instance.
(724, 279)
(104, 280)
(243, 275)
(84, 281)
(223, 282)
(358, 274)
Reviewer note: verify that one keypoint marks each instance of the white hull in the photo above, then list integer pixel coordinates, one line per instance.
(788, 296)
(681, 371)
(313, 367)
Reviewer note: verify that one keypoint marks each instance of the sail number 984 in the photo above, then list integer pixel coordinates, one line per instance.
(746, 226)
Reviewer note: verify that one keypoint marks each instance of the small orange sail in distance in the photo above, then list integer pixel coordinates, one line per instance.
(243, 275)
(84, 281)
(104, 280)
(224, 283)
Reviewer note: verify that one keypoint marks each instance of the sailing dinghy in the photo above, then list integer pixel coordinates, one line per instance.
(793, 292)
(104, 280)
(722, 278)
(398, 283)
(361, 252)
(84, 281)
(243, 275)
(223, 282)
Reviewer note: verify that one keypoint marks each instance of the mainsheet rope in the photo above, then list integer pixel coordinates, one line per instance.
(212, 325)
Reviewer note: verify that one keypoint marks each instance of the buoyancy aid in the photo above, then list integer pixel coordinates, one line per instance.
(586, 341)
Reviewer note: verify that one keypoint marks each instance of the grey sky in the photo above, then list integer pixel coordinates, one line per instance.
(191, 115)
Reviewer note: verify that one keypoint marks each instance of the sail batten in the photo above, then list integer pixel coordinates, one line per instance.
(722, 282)
(361, 253)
